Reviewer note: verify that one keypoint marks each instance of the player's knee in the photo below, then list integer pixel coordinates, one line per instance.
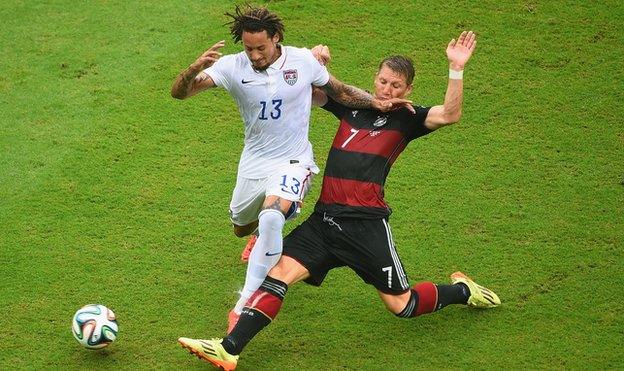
(289, 271)
(396, 304)
(270, 220)
(395, 307)
(242, 231)
(245, 230)
(277, 271)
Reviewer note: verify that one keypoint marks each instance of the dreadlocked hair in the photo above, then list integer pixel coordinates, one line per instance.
(251, 19)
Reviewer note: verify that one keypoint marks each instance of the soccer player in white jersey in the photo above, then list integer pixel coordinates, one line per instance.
(272, 86)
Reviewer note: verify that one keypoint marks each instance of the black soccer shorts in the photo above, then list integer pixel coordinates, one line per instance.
(322, 243)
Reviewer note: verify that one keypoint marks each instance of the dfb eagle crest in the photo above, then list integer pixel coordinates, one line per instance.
(381, 121)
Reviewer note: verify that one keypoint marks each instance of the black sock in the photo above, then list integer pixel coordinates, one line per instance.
(267, 301)
(452, 294)
(249, 324)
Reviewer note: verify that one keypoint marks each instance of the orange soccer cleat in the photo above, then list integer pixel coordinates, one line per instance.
(247, 250)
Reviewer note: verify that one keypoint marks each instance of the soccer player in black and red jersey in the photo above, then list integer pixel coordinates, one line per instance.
(349, 226)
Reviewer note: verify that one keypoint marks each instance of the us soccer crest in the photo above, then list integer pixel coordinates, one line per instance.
(381, 121)
(290, 76)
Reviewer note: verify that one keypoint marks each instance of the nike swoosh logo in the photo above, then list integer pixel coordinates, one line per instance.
(246, 81)
(269, 254)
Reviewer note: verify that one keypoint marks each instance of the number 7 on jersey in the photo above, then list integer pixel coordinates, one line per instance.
(353, 134)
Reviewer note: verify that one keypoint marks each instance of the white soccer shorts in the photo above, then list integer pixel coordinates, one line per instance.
(291, 182)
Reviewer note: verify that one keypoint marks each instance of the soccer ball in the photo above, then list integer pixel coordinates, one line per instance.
(94, 326)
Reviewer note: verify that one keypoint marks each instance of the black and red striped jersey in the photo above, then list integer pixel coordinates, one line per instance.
(365, 147)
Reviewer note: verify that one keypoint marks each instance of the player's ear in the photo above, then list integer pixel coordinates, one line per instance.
(408, 91)
(275, 38)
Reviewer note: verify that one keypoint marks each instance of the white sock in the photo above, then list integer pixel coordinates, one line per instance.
(270, 225)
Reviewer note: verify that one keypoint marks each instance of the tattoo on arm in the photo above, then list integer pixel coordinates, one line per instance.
(347, 95)
(201, 78)
(183, 85)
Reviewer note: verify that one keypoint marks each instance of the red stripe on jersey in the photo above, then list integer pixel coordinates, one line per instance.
(351, 192)
(380, 142)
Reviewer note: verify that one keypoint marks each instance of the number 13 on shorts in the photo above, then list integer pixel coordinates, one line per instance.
(290, 185)
(290, 182)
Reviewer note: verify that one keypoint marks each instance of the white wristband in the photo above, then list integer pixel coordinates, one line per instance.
(456, 75)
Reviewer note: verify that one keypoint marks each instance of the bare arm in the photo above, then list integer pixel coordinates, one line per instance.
(322, 55)
(319, 98)
(450, 112)
(193, 80)
(189, 83)
(353, 97)
(458, 53)
(348, 95)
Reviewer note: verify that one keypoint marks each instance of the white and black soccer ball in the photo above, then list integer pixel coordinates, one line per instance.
(95, 326)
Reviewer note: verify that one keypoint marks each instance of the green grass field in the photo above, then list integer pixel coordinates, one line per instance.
(113, 192)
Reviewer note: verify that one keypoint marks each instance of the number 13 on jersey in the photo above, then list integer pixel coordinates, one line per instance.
(272, 109)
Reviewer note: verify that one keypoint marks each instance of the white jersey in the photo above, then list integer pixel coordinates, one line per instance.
(275, 107)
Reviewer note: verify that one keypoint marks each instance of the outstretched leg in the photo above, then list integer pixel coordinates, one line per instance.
(264, 304)
(259, 311)
(427, 297)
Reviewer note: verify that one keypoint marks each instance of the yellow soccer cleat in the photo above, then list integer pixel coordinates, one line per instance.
(211, 351)
(480, 297)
